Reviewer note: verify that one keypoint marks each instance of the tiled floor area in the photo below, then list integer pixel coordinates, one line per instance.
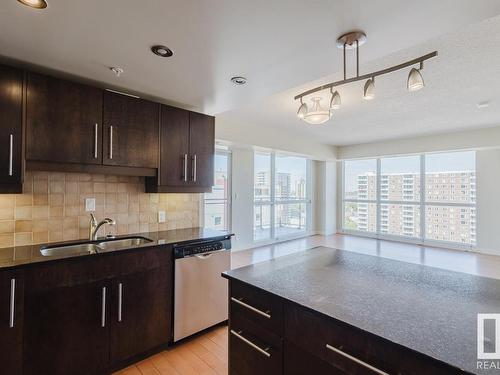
(207, 353)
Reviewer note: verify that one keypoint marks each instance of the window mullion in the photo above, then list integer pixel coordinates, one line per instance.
(422, 198)
(273, 195)
(378, 182)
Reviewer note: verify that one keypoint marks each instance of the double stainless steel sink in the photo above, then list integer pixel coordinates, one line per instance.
(94, 247)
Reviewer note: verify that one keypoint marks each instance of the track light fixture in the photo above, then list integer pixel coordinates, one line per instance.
(415, 80)
(369, 90)
(301, 113)
(353, 40)
(335, 101)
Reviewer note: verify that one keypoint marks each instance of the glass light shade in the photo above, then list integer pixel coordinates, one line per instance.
(317, 115)
(415, 80)
(335, 102)
(302, 111)
(38, 4)
(369, 90)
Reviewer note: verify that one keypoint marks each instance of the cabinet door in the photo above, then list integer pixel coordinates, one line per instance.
(11, 89)
(202, 149)
(130, 131)
(66, 330)
(11, 322)
(174, 147)
(63, 121)
(141, 314)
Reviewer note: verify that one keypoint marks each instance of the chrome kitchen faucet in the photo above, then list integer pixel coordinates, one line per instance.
(94, 226)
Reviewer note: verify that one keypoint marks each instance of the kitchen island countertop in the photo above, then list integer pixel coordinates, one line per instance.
(429, 310)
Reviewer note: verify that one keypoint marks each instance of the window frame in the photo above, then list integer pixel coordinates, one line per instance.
(422, 204)
(273, 202)
(228, 199)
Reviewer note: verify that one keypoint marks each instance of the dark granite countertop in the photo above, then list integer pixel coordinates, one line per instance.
(430, 310)
(15, 257)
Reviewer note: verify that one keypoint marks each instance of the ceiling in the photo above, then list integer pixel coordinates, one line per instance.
(281, 46)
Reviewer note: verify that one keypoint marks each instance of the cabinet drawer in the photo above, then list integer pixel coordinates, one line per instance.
(253, 349)
(353, 351)
(257, 306)
(298, 362)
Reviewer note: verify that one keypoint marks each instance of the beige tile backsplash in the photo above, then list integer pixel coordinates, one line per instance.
(52, 208)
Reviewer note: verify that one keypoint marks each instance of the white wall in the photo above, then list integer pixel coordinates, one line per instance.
(487, 144)
(488, 200)
(472, 139)
(325, 202)
(271, 138)
(242, 198)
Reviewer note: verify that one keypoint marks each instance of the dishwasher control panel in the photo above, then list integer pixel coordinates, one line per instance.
(183, 251)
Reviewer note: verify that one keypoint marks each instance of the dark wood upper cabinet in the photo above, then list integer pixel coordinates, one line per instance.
(63, 121)
(174, 147)
(202, 149)
(11, 113)
(11, 321)
(187, 148)
(131, 128)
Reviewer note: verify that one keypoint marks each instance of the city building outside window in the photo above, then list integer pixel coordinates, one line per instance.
(217, 203)
(281, 203)
(423, 198)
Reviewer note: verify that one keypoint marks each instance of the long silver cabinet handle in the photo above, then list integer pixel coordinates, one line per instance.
(354, 359)
(185, 167)
(12, 302)
(248, 342)
(120, 301)
(194, 168)
(103, 308)
(96, 129)
(111, 142)
(11, 150)
(254, 309)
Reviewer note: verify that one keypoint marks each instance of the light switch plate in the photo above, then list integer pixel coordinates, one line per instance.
(162, 216)
(89, 204)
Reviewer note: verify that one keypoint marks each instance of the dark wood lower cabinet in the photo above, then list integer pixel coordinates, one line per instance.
(11, 322)
(141, 316)
(92, 316)
(67, 330)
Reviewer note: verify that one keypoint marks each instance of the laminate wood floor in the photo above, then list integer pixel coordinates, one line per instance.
(205, 354)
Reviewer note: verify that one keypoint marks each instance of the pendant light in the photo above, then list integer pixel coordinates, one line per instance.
(335, 101)
(369, 90)
(415, 80)
(317, 115)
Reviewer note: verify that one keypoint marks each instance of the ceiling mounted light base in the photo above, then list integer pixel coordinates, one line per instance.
(349, 39)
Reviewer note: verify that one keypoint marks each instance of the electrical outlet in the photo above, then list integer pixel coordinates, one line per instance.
(162, 216)
(89, 204)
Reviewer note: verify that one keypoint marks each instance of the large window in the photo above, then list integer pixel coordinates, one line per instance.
(217, 212)
(281, 203)
(428, 197)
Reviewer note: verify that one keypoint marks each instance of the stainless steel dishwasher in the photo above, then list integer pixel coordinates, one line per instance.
(200, 293)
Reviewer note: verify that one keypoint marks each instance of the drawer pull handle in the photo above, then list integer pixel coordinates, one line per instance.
(120, 301)
(103, 307)
(12, 302)
(354, 359)
(248, 342)
(260, 312)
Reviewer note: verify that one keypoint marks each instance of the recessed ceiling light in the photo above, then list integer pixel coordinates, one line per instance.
(162, 51)
(485, 104)
(239, 80)
(37, 4)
